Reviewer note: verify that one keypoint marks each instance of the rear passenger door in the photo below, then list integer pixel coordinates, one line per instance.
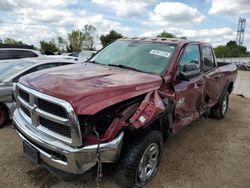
(211, 77)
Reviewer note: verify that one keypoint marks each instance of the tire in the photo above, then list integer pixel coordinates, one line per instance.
(3, 116)
(219, 111)
(136, 157)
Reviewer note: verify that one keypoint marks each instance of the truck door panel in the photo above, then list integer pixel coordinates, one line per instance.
(211, 77)
(188, 93)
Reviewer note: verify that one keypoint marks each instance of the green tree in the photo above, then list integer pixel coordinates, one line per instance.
(231, 49)
(183, 37)
(75, 40)
(61, 44)
(221, 51)
(79, 40)
(48, 46)
(110, 37)
(165, 34)
(89, 32)
(13, 41)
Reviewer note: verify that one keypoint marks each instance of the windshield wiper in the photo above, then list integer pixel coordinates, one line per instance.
(93, 61)
(125, 67)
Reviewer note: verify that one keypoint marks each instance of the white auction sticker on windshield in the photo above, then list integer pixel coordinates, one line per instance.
(160, 53)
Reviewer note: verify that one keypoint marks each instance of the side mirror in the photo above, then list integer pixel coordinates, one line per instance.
(190, 70)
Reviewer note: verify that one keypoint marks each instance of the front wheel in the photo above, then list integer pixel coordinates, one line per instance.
(139, 163)
(219, 111)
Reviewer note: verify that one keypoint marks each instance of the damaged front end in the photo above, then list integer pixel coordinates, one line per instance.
(131, 114)
(102, 134)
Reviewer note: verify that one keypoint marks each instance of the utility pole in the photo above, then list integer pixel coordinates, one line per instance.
(240, 31)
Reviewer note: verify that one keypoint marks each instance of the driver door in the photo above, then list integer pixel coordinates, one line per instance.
(188, 89)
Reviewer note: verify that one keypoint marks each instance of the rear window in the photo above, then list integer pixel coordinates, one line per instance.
(208, 58)
(16, 54)
(7, 70)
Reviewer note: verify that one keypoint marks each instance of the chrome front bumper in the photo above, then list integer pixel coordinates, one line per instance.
(75, 160)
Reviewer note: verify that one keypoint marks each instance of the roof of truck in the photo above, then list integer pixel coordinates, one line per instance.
(163, 40)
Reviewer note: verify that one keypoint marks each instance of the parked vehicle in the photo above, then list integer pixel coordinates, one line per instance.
(72, 54)
(17, 53)
(12, 70)
(120, 106)
(85, 55)
(63, 57)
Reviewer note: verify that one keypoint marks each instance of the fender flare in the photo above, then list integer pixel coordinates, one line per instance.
(225, 90)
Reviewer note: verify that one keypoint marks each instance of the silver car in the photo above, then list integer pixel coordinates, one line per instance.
(12, 70)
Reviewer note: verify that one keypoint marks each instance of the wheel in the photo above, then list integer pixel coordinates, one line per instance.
(139, 162)
(3, 116)
(219, 111)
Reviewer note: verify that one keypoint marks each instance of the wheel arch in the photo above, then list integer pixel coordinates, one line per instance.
(6, 108)
(230, 87)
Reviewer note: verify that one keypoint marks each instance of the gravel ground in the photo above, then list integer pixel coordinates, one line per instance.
(208, 153)
(244, 74)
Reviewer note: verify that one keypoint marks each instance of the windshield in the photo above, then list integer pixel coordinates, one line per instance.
(8, 69)
(149, 57)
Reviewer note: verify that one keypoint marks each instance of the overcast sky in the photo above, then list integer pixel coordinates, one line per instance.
(212, 21)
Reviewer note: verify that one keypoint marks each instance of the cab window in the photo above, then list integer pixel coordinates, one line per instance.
(209, 63)
(191, 55)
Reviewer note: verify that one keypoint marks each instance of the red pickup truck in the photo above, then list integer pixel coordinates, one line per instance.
(120, 106)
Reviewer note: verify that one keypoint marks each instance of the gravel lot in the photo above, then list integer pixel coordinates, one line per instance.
(208, 153)
(244, 74)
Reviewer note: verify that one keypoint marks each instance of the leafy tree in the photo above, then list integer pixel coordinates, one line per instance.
(231, 49)
(48, 46)
(75, 40)
(61, 44)
(221, 51)
(110, 37)
(89, 33)
(13, 41)
(79, 40)
(231, 44)
(165, 34)
(183, 37)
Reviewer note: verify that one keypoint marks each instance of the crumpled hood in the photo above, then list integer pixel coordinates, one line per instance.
(91, 87)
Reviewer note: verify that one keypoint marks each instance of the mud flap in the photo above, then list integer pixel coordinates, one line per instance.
(151, 107)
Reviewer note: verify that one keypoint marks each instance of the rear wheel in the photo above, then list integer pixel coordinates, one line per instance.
(139, 162)
(219, 111)
(3, 116)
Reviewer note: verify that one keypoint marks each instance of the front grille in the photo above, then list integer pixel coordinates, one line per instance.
(55, 127)
(51, 108)
(25, 111)
(49, 113)
(24, 95)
